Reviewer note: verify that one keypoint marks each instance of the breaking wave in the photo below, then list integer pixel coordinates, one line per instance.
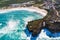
(13, 26)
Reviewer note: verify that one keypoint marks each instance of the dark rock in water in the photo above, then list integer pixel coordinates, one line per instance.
(53, 27)
(35, 27)
(51, 21)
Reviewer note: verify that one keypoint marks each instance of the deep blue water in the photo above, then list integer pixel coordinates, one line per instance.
(9, 31)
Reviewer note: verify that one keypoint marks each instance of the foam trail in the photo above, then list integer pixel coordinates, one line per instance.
(10, 27)
(32, 9)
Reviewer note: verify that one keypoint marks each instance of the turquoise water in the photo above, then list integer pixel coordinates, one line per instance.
(9, 31)
(13, 25)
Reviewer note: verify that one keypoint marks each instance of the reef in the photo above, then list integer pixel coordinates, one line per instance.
(51, 21)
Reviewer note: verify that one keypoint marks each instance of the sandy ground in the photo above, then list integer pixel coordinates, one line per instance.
(32, 9)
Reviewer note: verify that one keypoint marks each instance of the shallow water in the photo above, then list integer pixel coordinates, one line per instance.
(13, 26)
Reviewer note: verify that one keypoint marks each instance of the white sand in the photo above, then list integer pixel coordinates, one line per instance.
(32, 9)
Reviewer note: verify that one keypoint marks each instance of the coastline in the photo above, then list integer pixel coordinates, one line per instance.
(32, 9)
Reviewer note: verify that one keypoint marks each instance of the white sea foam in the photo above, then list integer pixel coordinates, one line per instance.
(28, 19)
(32, 9)
(10, 27)
(29, 38)
(42, 35)
(12, 23)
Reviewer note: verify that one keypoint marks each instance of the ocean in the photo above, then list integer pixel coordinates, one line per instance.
(13, 26)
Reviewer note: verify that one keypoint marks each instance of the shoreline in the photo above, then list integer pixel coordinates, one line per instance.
(32, 9)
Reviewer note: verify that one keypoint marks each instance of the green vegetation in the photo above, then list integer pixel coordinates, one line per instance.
(7, 2)
(37, 2)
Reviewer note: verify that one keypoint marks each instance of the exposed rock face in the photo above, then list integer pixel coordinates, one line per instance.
(50, 21)
(35, 27)
(53, 27)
